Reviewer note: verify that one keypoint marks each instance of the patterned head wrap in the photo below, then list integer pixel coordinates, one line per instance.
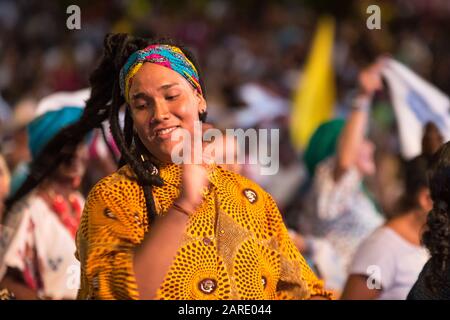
(164, 55)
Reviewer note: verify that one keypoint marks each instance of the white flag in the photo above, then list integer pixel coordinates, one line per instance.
(415, 102)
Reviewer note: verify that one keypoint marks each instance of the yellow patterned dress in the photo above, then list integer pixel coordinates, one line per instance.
(235, 246)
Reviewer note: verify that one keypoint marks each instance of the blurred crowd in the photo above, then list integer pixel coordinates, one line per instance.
(252, 55)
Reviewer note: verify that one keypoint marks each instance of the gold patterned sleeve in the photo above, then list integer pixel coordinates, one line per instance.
(297, 280)
(111, 227)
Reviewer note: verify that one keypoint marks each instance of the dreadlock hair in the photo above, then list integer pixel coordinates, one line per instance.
(105, 102)
(437, 235)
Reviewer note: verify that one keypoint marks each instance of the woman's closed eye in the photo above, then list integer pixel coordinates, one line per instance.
(172, 97)
(141, 106)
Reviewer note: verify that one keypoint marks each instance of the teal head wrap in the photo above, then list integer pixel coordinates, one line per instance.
(42, 129)
(322, 143)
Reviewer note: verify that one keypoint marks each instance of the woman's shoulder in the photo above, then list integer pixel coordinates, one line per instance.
(119, 189)
(116, 202)
(381, 239)
(378, 247)
(31, 203)
(31, 208)
(119, 180)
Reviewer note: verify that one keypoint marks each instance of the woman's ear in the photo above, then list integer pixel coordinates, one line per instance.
(425, 201)
(201, 107)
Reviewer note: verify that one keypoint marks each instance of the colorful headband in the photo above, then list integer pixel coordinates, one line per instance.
(164, 55)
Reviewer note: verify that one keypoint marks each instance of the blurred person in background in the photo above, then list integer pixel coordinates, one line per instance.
(103, 158)
(5, 114)
(4, 184)
(37, 252)
(15, 136)
(433, 282)
(339, 213)
(395, 249)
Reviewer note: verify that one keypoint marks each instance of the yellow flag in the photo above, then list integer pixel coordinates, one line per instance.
(314, 99)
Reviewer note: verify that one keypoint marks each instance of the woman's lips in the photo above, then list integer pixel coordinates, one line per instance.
(165, 133)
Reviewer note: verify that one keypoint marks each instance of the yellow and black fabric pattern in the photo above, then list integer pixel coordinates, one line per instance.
(235, 246)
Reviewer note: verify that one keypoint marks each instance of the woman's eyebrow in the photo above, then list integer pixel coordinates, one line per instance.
(167, 86)
(143, 95)
(139, 95)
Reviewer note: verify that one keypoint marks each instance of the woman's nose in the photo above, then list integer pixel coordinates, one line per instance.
(161, 111)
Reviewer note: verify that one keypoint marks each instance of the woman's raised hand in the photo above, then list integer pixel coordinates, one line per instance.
(370, 78)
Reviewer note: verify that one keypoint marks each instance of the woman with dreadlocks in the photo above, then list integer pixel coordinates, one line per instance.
(159, 230)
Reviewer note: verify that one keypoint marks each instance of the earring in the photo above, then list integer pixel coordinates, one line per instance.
(148, 164)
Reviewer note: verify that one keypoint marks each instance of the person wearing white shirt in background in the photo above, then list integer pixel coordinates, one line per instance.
(387, 264)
